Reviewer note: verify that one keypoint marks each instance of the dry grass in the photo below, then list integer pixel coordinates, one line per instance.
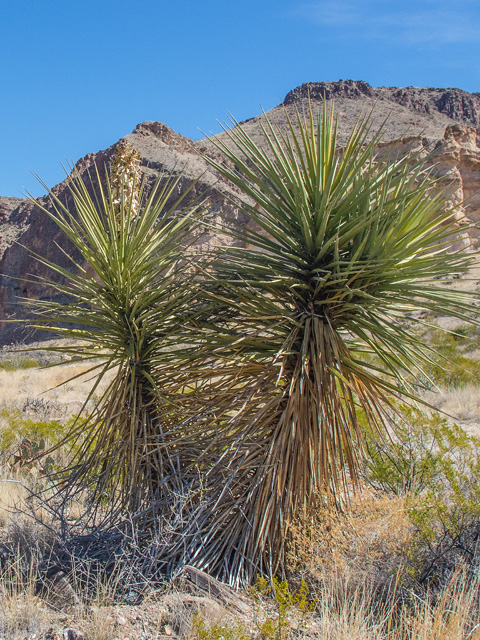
(30, 389)
(349, 605)
(366, 544)
(12, 497)
(348, 559)
(30, 399)
(345, 615)
(22, 615)
(461, 405)
(452, 616)
(340, 614)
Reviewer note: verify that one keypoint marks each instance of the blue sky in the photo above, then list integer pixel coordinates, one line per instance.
(78, 75)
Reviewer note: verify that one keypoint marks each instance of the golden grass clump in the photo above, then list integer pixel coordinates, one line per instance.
(19, 387)
(12, 498)
(366, 543)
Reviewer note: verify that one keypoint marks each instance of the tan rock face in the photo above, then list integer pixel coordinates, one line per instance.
(455, 158)
(423, 119)
(460, 158)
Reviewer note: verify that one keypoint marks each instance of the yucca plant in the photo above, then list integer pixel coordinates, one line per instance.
(126, 302)
(308, 331)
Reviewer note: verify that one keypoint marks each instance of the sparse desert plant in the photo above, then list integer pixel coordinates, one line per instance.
(286, 613)
(290, 337)
(23, 615)
(220, 630)
(13, 494)
(342, 248)
(15, 426)
(452, 614)
(351, 611)
(462, 404)
(287, 601)
(409, 458)
(23, 440)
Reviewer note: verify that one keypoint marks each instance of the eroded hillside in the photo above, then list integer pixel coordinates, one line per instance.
(444, 121)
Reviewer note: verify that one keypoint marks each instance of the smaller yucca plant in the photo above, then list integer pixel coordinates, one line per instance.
(127, 300)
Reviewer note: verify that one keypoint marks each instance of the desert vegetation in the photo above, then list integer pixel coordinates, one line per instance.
(264, 412)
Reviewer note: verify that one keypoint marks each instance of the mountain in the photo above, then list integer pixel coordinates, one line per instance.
(413, 118)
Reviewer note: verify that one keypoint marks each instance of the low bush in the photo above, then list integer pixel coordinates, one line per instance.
(25, 445)
(14, 426)
(279, 612)
(367, 543)
(455, 362)
(436, 466)
(12, 364)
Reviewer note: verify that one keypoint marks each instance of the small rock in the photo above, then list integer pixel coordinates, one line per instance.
(121, 620)
(55, 589)
(72, 634)
(167, 630)
(4, 556)
(133, 597)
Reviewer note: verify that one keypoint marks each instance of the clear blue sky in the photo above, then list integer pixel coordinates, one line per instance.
(77, 75)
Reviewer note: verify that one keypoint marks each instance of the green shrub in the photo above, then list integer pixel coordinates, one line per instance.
(15, 426)
(218, 631)
(408, 460)
(23, 440)
(437, 466)
(28, 363)
(22, 363)
(277, 625)
(452, 365)
(450, 500)
(286, 602)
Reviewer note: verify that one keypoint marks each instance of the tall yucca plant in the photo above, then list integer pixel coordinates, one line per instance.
(127, 300)
(308, 331)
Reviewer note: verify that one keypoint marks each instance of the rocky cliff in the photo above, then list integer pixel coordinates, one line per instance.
(456, 104)
(425, 119)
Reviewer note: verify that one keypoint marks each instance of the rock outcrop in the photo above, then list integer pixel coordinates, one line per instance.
(9, 231)
(414, 118)
(456, 104)
(7, 205)
(327, 90)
